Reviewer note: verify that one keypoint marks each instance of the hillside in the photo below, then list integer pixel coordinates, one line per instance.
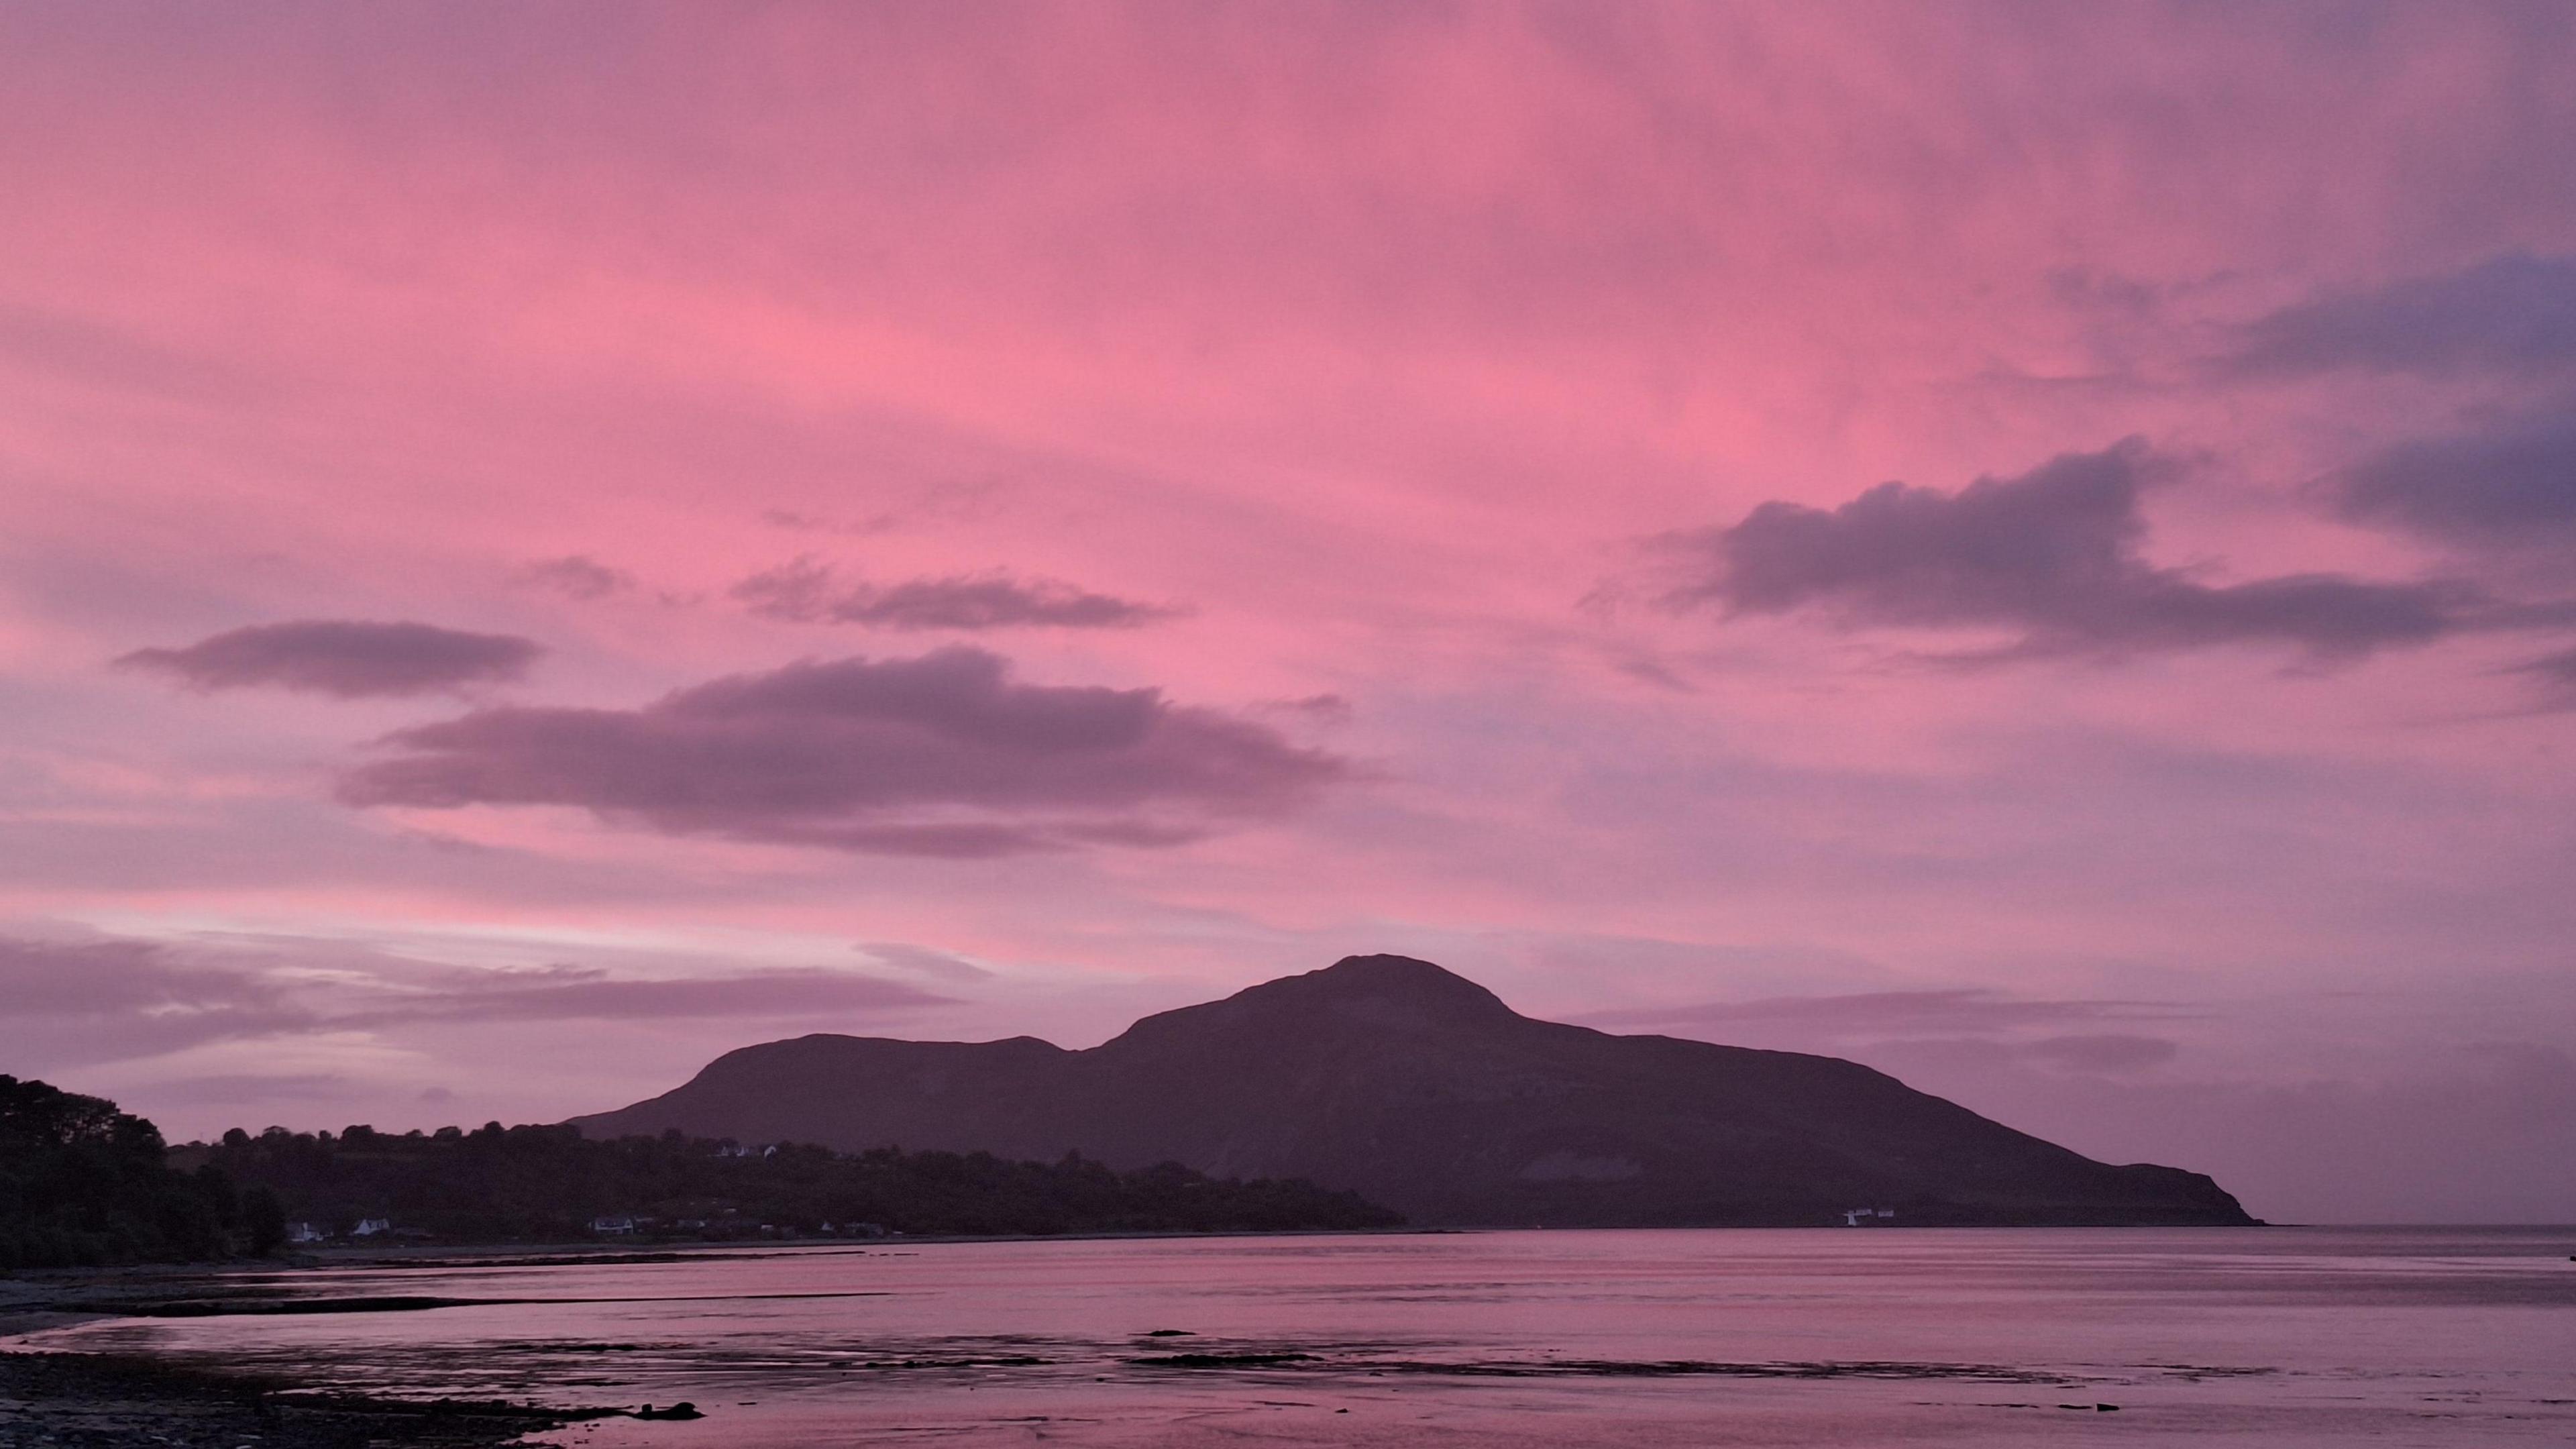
(552, 1184)
(1421, 1090)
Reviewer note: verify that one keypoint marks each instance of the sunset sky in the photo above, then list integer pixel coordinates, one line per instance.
(2032, 546)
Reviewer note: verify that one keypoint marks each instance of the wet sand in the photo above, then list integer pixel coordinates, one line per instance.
(2286, 1338)
(79, 1400)
(76, 1401)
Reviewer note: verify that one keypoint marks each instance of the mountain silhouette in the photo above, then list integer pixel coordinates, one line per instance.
(1422, 1091)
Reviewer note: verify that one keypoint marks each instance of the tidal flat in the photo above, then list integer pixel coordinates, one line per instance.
(2274, 1337)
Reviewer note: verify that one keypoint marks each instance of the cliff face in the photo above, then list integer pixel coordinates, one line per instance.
(1423, 1091)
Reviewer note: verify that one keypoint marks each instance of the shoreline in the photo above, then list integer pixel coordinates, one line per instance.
(32, 1300)
(107, 1401)
(72, 1399)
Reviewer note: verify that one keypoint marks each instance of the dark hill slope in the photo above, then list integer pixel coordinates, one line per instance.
(1422, 1090)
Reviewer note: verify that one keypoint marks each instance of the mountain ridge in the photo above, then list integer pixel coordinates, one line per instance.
(1420, 1089)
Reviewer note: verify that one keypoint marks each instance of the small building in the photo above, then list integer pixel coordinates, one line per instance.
(370, 1227)
(304, 1233)
(613, 1227)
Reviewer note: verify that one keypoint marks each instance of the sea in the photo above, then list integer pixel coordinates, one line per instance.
(1867, 1336)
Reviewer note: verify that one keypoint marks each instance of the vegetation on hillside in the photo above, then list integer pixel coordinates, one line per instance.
(82, 1183)
(540, 1184)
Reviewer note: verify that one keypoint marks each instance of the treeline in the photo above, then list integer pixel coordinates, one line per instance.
(548, 1184)
(83, 1184)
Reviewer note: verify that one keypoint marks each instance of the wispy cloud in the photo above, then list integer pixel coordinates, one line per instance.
(117, 998)
(577, 576)
(567, 993)
(808, 592)
(1947, 1009)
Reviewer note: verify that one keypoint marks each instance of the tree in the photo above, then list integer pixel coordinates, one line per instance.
(264, 1220)
(83, 1183)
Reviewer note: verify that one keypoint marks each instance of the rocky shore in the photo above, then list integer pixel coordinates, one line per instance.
(86, 1401)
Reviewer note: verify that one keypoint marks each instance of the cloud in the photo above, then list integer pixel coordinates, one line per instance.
(84, 347)
(2054, 553)
(237, 1089)
(2514, 313)
(120, 998)
(905, 956)
(2102, 1052)
(2558, 671)
(118, 978)
(577, 576)
(807, 592)
(348, 658)
(109, 999)
(938, 755)
(567, 993)
(812, 523)
(1962, 1009)
(1328, 708)
(2512, 486)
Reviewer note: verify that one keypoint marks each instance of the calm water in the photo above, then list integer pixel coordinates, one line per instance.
(2257, 1337)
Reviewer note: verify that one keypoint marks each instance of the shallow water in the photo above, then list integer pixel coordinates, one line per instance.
(2291, 1337)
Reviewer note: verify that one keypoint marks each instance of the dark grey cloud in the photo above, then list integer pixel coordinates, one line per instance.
(939, 755)
(2053, 553)
(577, 576)
(808, 592)
(344, 657)
(2511, 486)
(2510, 314)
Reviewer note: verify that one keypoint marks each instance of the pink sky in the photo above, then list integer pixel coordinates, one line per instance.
(540, 546)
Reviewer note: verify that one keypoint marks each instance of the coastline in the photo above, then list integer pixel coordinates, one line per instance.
(1232, 1330)
(78, 1400)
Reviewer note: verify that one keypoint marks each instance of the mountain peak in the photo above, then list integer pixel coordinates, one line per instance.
(1383, 972)
(1393, 990)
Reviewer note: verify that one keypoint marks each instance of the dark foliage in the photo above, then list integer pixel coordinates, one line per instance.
(82, 1183)
(551, 1184)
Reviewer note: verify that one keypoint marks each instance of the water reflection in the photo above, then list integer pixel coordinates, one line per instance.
(2276, 1337)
